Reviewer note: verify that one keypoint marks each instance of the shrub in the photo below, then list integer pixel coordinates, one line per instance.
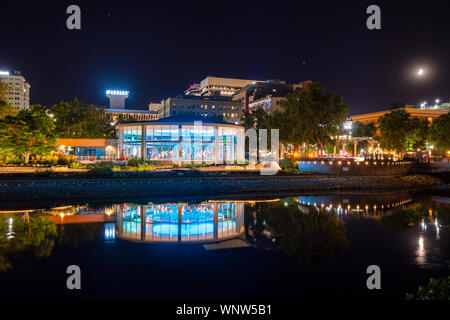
(77, 165)
(14, 161)
(437, 289)
(288, 163)
(135, 162)
(292, 171)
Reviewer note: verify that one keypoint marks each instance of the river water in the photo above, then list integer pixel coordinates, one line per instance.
(310, 246)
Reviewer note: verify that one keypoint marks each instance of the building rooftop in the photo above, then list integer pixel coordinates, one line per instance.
(186, 119)
(130, 111)
(205, 98)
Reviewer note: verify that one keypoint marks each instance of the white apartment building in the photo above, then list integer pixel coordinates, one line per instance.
(18, 92)
(216, 86)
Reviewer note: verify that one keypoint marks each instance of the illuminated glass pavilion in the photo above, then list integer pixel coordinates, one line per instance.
(182, 139)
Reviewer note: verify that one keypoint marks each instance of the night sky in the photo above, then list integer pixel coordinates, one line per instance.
(156, 49)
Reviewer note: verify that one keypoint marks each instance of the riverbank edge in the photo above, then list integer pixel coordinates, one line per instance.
(141, 187)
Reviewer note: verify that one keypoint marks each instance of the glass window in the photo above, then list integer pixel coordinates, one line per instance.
(132, 133)
(162, 151)
(132, 150)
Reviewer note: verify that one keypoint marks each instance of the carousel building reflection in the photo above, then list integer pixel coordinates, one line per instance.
(180, 222)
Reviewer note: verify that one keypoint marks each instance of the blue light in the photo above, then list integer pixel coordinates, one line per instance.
(188, 229)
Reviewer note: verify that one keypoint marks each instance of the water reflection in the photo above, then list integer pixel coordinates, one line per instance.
(363, 204)
(314, 236)
(34, 234)
(180, 222)
(311, 228)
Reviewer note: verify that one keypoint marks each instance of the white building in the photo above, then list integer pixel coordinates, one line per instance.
(217, 86)
(18, 92)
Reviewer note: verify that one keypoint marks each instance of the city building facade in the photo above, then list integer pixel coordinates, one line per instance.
(267, 94)
(117, 109)
(420, 113)
(88, 149)
(218, 86)
(208, 107)
(18, 91)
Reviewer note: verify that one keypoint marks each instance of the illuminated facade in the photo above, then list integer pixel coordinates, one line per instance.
(182, 139)
(88, 149)
(180, 222)
(18, 92)
(267, 95)
(116, 110)
(127, 114)
(207, 107)
(218, 86)
(421, 114)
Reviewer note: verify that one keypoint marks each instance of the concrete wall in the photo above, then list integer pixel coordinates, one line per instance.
(364, 168)
(139, 187)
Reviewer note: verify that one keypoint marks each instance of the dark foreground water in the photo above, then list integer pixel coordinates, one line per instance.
(302, 247)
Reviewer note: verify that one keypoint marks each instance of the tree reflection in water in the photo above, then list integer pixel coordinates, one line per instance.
(78, 233)
(401, 219)
(315, 237)
(33, 234)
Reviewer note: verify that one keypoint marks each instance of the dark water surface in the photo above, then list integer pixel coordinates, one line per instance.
(226, 249)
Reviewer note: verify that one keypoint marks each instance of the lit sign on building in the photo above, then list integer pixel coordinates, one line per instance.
(4, 73)
(117, 92)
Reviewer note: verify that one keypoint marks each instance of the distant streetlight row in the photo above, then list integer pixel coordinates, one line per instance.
(423, 104)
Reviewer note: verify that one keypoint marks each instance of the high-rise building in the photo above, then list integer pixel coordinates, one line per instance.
(18, 91)
(211, 107)
(267, 94)
(218, 87)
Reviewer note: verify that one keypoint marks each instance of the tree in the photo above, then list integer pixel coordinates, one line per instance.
(257, 119)
(78, 120)
(417, 135)
(360, 129)
(440, 132)
(31, 131)
(310, 116)
(248, 120)
(394, 127)
(5, 108)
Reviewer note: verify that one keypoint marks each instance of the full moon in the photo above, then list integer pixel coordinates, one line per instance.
(420, 72)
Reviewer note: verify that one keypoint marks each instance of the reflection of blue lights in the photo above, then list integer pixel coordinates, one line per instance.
(189, 229)
(110, 231)
(313, 199)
